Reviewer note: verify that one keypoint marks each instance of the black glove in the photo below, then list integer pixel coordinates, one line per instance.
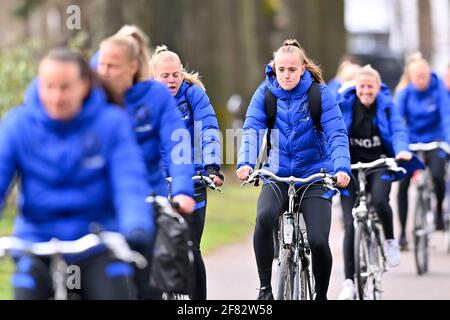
(211, 169)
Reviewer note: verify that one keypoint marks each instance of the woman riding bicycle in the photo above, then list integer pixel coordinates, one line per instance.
(124, 65)
(375, 130)
(200, 119)
(78, 165)
(301, 151)
(425, 106)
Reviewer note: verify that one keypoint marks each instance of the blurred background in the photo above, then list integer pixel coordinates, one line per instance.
(228, 41)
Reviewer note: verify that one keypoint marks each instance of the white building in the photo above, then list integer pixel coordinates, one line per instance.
(395, 26)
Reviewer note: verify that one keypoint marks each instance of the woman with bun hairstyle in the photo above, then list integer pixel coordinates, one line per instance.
(201, 121)
(300, 150)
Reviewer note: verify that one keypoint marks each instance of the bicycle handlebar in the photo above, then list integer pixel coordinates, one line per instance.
(112, 240)
(430, 146)
(390, 163)
(205, 179)
(317, 176)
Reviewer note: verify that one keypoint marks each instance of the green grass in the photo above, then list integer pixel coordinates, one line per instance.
(6, 265)
(230, 216)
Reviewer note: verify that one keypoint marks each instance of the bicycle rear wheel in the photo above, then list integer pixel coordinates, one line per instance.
(285, 276)
(364, 278)
(420, 237)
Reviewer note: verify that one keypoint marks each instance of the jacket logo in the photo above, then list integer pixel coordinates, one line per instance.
(91, 148)
(142, 119)
(366, 143)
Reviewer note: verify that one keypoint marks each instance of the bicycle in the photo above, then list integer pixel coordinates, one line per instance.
(423, 212)
(173, 248)
(295, 280)
(370, 261)
(56, 250)
(203, 180)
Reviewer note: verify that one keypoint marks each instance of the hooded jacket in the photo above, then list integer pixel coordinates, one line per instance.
(393, 133)
(158, 125)
(73, 173)
(297, 148)
(427, 113)
(201, 121)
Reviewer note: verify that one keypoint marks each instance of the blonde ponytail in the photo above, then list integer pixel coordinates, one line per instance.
(293, 46)
(136, 43)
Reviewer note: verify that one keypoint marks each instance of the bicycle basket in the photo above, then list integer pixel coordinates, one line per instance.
(172, 258)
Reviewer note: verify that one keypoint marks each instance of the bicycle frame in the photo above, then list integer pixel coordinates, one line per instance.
(368, 239)
(294, 276)
(294, 246)
(56, 249)
(369, 255)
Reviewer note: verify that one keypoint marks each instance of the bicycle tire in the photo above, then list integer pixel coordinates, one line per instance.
(380, 260)
(362, 262)
(285, 277)
(306, 290)
(276, 241)
(420, 237)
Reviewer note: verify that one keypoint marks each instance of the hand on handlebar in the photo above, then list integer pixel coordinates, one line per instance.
(403, 156)
(244, 172)
(186, 204)
(343, 179)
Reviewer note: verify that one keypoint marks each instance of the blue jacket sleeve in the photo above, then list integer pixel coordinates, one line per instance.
(400, 103)
(205, 126)
(129, 185)
(444, 110)
(176, 144)
(335, 131)
(399, 133)
(8, 160)
(255, 123)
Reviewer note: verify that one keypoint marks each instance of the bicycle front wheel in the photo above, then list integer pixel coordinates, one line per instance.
(285, 276)
(420, 237)
(306, 281)
(364, 277)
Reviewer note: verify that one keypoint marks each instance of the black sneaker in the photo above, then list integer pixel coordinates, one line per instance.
(403, 243)
(439, 225)
(265, 293)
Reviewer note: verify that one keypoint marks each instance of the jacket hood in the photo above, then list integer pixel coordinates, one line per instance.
(299, 90)
(182, 91)
(434, 85)
(91, 105)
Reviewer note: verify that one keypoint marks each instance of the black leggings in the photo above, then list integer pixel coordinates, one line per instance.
(102, 277)
(316, 209)
(379, 186)
(436, 161)
(196, 223)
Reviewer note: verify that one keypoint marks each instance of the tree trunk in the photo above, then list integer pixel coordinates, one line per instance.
(425, 29)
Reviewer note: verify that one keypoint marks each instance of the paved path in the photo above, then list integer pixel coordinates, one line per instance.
(232, 271)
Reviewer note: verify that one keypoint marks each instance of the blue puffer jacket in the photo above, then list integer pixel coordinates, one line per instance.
(155, 119)
(334, 86)
(300, 150)
(197, 110)
(393, 132)
(89, 169)
(427, 113)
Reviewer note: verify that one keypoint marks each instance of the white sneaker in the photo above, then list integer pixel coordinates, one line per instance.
(392, 252)
(348, 291)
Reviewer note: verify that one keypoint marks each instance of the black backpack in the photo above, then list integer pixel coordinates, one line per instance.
(314, 105)
(173, 259)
